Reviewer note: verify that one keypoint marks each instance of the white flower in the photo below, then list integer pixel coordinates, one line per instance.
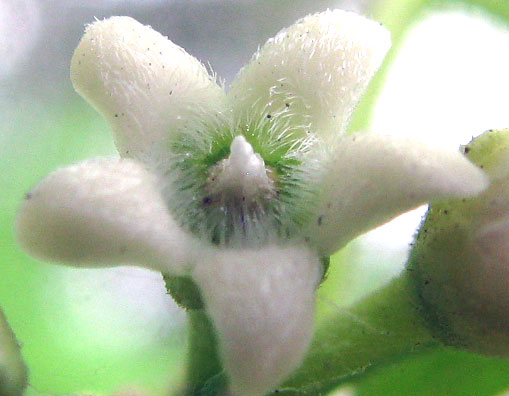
(243, 192)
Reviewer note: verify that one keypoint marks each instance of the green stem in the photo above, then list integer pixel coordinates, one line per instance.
(379, 329)
(203, 360)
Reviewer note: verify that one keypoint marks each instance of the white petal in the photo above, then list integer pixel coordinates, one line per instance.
(261, 303)
(99, 213)
(316, 70)
(146, 86)
(373, 178)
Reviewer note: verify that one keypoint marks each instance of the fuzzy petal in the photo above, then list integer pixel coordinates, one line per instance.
(146, 86)
(262, 303)
(373, 178)
(102, 212)
(315, 72)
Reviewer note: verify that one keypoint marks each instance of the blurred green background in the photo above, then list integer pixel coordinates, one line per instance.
(105, 331)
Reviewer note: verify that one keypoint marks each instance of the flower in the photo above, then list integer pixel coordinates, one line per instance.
(246, 193)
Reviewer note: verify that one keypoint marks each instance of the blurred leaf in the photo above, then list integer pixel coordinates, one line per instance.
(498, 8)
(399, 16)
(438, 373)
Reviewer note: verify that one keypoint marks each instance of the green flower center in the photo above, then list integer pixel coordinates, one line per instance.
(241, 185)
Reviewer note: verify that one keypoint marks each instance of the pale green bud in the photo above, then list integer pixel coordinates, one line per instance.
(460, 261)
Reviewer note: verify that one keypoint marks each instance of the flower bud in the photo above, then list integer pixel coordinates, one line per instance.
(460, 261)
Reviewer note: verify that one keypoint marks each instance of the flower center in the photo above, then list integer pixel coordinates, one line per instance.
(240, 186)
(240, 179)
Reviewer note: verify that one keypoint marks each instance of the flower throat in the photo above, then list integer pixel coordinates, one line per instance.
(240, 188)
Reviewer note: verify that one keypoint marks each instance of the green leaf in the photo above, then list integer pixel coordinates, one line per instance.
(439, 372)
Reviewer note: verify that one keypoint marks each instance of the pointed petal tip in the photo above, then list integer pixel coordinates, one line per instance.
(373, 35)
(475, 181)
(99, 213)
(121, 48)
(85, 71)
(373, 178)
(457, 177)
(316, 70)
(146, 86)
(261, 303)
